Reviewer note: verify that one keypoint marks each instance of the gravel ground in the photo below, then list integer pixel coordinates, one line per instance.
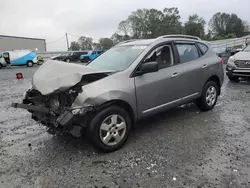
(179, 148)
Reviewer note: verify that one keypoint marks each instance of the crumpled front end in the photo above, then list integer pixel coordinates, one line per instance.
(50, 100)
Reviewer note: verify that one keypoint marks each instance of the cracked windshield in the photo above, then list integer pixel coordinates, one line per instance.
(115, 94)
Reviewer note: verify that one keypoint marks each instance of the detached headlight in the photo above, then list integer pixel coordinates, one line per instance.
(230, 62)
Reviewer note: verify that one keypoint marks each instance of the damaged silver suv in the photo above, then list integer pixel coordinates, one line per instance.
(133, 80)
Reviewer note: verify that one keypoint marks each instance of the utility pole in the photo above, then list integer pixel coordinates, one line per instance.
(66, 34)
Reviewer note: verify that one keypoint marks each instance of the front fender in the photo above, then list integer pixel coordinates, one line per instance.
(84, 100)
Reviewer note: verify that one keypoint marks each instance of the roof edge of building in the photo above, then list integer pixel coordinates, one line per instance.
(10, 36)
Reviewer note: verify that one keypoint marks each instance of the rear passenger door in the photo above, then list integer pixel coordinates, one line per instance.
(193, 69)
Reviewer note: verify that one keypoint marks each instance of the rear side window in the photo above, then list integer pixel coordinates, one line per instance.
(187, 52)
(203, 48)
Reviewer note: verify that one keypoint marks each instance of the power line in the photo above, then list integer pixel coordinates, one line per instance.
(56, 40)
(82, 36)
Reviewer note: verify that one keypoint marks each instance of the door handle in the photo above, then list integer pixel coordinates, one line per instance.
(176, 74)
(204, 66)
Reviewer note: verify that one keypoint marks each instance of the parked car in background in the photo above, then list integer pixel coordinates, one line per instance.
(2, 62)
(90, 56)
(133, 80)
(59, 57)
(238, 65)
(74, 56)
(225, 52)
(20, 57)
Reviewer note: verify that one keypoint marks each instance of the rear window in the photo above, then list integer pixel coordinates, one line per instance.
(203, 47)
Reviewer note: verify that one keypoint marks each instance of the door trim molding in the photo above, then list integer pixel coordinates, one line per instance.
(171, 102)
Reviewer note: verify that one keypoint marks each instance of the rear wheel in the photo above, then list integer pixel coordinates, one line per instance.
(1, 65)
(29, 64)
(233, 78)
(110, 128)
(209, 96)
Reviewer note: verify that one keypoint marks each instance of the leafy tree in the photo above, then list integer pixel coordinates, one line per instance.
(106, 43)
(222, 37)
(74, 46)
(124, 27)
(195, 26)
(96, 46)
(116, 38)
(151, 23)
(86, 43)
(171, 22)
(223, 24)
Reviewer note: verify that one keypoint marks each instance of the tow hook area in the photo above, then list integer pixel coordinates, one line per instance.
(65, 119)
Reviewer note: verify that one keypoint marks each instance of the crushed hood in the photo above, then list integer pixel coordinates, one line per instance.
(56, 75)
(242, 56)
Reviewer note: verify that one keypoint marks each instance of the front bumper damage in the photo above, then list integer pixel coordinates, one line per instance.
(55, 112)
(65, 119)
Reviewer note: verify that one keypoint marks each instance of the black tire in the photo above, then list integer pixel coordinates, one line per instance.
(85, 60)
(233, 78)
(202, 102)
(1, 65)
(29, 64)
(95, 126)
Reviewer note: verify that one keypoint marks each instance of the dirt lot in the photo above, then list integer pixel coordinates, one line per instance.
(179, 148)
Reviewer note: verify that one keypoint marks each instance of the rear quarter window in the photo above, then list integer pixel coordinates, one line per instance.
(203, 48)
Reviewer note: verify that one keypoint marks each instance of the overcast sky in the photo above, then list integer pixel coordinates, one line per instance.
(51, 19)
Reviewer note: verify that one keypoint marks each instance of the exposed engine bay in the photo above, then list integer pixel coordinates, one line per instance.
(54, 109)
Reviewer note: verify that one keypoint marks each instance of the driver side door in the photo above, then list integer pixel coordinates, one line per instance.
(157, 91)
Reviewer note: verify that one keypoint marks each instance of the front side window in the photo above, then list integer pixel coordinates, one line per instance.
(163, 55)
(117, 58)
(187, 52)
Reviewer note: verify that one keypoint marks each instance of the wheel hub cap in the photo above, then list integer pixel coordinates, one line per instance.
(112, 130)
(211, 96)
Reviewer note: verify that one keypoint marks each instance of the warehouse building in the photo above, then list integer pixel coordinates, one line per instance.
(8, 43)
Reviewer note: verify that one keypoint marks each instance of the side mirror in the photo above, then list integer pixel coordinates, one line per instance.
(147, 68)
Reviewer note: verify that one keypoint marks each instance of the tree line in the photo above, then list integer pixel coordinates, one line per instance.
(151, 23)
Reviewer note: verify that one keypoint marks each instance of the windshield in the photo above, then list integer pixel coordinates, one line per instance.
(117, 58)
(247, 49)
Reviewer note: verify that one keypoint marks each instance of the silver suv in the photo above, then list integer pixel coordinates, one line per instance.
(131, 81)
(239, 65)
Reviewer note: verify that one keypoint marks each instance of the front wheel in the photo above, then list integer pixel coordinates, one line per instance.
(110, 128)
(1, 65)
(209, 96)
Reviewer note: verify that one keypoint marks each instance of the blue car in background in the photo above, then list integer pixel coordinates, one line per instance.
(91, 55)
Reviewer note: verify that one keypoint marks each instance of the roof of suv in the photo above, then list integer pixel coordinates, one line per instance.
(161, 38)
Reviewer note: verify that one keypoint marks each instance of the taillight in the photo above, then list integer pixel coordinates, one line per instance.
(221, 60)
